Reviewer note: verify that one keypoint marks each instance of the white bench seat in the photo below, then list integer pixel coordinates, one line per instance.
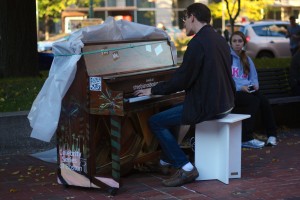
(218, 148)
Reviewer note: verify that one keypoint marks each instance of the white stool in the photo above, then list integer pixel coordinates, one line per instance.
(218, 148)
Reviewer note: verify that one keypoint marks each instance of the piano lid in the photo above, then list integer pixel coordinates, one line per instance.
(121, 57)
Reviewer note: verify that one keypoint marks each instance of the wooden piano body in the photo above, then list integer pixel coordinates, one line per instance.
(103, 131)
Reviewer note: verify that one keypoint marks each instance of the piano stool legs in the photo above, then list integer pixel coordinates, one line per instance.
(218, 148)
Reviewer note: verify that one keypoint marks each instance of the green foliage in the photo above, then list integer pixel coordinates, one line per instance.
(53, 8)
(18, 94)
(180, 41)
(253, 10)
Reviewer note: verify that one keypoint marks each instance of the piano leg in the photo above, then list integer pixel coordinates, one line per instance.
(115, 139)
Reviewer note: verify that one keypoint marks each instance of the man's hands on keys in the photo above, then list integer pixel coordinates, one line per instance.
(143, 92)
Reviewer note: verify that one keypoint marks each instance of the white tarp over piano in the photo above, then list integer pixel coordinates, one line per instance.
(45, 110)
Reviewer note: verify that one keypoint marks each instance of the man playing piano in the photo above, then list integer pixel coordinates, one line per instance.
(205, 76)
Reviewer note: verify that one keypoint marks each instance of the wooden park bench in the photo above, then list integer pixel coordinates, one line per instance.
(274, 84)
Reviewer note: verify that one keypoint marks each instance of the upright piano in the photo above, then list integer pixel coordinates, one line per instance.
(103, 132)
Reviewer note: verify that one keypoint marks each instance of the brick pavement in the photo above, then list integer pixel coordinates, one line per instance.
(267, 173)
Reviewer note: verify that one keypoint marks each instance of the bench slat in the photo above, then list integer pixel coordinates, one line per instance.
(274, 84)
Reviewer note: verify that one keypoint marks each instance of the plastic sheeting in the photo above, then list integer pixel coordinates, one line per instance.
(45, 110)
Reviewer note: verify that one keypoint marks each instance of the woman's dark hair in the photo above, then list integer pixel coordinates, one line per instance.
(243, 56)
(200, 11)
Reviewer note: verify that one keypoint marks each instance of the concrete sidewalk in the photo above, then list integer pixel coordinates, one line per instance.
(15, 135)
(267, 173)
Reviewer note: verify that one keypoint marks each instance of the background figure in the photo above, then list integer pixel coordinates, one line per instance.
(294, 35)
(248, 100)
(295, 73)
(205, 76)
(226, 35)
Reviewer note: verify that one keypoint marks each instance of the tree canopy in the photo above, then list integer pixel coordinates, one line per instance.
(253, 10)
(53, 8)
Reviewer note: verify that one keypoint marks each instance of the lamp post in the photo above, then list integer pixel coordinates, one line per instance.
(91, 9)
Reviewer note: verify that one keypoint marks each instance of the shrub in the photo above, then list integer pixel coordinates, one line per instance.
(272, 62)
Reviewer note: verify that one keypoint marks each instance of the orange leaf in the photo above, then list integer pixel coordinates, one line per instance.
(12, 190)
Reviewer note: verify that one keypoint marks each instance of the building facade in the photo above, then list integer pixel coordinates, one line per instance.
(164, 12)
(283, 9)
(149, 12)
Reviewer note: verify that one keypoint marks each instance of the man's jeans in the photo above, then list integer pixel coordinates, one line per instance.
(162, 124)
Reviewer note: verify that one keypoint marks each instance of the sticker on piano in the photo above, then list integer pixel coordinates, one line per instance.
(115, 55)
(158, 50)
(95, 83)
(104, 51)
(148, 48)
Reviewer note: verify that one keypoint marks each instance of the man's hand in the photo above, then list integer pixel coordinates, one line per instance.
(144, 92)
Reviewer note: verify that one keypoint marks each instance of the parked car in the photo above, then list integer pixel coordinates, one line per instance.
(45, 54)
(266, 39)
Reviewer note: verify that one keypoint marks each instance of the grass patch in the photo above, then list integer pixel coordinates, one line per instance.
(18, 94)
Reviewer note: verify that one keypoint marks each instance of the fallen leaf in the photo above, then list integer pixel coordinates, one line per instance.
(69, 197)
(13, 190)
(51, 173)
(16, 172)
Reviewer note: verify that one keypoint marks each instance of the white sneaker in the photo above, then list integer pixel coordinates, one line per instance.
(272, 141)
(256, 144)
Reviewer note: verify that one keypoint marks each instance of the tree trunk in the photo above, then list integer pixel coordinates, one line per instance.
(18, 38)
(46, 22)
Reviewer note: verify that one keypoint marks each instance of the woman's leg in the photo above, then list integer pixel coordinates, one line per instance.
(267, 115)
(246, 103)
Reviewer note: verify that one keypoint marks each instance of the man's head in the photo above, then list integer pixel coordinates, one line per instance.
(292, 20)
(196, 14)
(200, 11)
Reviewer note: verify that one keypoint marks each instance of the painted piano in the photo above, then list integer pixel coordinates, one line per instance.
(103, 132)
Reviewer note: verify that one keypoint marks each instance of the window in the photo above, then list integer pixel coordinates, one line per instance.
(278, 30)
(261, 30)
(111, 3)
(273, 30)
(145, 4)
(182, 3)
(146, 17)
(129, 3)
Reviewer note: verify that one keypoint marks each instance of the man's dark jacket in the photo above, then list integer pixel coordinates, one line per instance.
(205, 76)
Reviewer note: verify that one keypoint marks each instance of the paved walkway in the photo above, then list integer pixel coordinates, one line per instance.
(267, 173)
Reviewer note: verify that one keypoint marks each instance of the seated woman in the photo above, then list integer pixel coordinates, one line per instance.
(248, 100)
